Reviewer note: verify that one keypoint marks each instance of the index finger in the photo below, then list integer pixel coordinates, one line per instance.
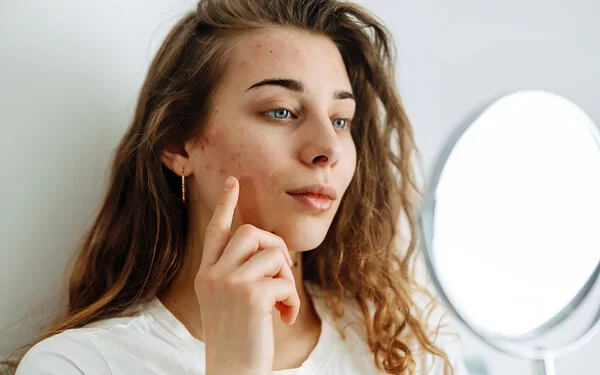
(216, 235)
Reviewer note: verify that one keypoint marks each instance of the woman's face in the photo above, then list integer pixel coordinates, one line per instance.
(280, 121)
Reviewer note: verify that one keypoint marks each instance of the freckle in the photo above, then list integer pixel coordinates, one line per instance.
(270, 51)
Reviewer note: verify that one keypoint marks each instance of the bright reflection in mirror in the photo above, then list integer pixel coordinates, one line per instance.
(517, 213)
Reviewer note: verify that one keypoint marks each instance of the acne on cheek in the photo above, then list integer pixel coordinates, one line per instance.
(237, 159)
(250, 165)
(207, 144)
(233, 164)
(208, 140)
(225, 164)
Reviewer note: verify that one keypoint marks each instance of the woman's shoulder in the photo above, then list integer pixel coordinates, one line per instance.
(68, 352)
(83, 350)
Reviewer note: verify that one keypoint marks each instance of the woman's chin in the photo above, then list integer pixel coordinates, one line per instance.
(302, 240)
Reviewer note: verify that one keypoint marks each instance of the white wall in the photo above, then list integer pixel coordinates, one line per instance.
(70, 72)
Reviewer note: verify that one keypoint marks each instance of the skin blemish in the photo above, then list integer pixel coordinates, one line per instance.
(256, 49)
(237, 159)
(207, 141)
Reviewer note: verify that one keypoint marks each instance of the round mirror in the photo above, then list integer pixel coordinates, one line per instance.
(511, 219)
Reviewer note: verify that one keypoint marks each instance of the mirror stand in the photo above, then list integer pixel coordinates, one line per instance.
(545, 366)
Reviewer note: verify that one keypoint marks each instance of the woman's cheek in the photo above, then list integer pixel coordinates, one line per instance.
(248, 161)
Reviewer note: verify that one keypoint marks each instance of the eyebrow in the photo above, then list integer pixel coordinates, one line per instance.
(297, 86)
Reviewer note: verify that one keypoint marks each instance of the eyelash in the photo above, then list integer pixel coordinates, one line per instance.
(348, 121)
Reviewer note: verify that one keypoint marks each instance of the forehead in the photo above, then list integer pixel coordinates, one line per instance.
(288, 52)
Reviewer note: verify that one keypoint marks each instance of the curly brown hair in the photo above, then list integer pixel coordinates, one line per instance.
(363, 254)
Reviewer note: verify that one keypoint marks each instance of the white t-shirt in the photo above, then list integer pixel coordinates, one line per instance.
(153, 341)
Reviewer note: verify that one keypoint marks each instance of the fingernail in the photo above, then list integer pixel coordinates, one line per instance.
(229, 182)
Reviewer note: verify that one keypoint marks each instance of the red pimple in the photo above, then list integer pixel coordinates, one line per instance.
(207, 141)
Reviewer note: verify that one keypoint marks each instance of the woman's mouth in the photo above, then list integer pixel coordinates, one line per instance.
(315, 202)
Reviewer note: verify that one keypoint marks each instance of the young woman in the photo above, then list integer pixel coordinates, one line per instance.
(252, 220)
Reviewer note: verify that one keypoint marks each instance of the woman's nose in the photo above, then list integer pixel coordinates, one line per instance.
(322, 145)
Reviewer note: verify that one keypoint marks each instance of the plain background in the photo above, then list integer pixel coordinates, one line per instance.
(70, 72)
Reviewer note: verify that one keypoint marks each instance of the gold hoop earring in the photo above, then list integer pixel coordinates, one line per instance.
(183, 185)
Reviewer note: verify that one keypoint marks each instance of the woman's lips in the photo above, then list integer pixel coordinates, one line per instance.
(315, 202)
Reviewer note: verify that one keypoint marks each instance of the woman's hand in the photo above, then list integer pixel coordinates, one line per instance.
(241, 279)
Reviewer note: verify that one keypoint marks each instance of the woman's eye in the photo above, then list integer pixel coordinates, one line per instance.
(279, 113)
(342, 123)
(284, 114)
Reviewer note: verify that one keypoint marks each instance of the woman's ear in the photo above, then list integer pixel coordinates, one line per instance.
(177, 158)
